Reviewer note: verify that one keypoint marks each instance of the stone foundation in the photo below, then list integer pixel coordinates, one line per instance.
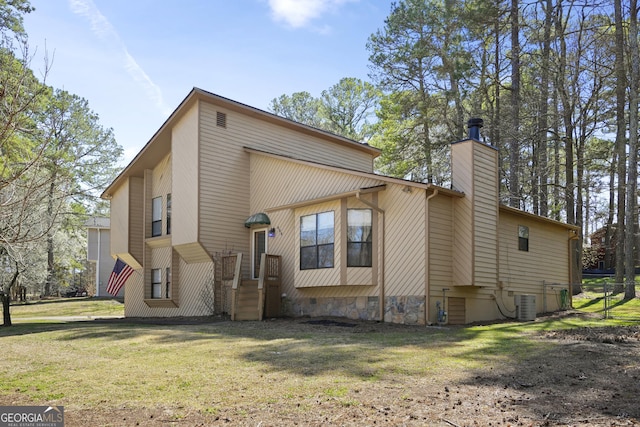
(361, 308)
(408, 310)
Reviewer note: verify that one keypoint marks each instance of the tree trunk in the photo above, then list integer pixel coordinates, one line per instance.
(543, 122)
(556, 159)
(568, 125)
(6, 314)
(632, 177)
(6, 299)
(608, 262)
(620, 141)
(514, 146)
(50, 247)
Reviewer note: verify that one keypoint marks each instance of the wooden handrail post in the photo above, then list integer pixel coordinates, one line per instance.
(234, 286)
(261, 278)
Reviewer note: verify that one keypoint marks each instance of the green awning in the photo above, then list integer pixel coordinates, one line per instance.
(255, 219)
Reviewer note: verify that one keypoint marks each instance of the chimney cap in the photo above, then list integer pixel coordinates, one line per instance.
(474, 126)
(475, 122)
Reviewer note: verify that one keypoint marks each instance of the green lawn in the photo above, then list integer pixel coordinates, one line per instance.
(286, 368)
(592, 300)
(67, 307)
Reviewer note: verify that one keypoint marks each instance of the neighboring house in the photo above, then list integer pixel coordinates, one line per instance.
(220, 178)
(599, 260)
(99, 252)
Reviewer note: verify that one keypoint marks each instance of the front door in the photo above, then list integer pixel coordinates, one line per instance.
(258, 247)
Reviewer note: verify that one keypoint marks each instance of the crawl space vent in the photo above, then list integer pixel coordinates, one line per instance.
(221, 119)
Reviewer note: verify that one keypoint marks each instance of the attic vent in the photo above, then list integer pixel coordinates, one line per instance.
(221, 119)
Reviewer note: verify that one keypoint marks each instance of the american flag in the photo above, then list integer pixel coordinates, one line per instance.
(119, 275)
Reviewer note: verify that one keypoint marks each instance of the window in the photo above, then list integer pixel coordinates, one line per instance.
(316, 241)
(359, 238)
(523, 238)
(169, 213)
(167, 288)
(156, 283)
(156, 216)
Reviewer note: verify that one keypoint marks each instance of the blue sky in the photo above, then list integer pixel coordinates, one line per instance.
(135, 60)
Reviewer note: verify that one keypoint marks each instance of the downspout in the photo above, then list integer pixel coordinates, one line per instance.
(572, 237)
(98, 263)
(427, 282)
(381, 296)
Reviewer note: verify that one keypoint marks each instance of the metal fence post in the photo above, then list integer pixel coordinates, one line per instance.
(606, 313)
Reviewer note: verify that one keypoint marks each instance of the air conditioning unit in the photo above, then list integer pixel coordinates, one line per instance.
(525, 307)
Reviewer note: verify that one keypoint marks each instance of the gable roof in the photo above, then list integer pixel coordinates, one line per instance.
(160, 143)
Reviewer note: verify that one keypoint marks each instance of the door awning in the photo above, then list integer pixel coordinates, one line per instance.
(257, 219)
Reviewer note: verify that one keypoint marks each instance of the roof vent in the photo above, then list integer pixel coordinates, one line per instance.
(474, 126)
(221, 119)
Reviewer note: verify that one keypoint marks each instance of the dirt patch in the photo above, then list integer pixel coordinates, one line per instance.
(577, 377)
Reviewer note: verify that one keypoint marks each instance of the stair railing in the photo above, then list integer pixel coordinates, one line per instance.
(236, 282)
(261, 278)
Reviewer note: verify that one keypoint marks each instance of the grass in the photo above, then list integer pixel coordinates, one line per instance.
(73, 307)
(247, 366)
(592, 300)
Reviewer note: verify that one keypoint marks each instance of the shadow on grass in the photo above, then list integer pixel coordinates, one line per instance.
(525, 369)
(592, 302)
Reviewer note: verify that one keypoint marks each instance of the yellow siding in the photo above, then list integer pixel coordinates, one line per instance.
(127, 205)
(223, 185)
(192, 279)
(404, 220)
(277, 182)
(295, 183)
(485, 208)
(463, 242)
(184, 163)
(246, 131)
(136, 218)
(405, 223)
(547, 260)
(120, 220)
(161, 186)
(475, 233)
(440, 242)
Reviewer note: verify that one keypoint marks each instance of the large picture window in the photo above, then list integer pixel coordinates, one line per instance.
(156, 216)
(359, 237)
(316, 241)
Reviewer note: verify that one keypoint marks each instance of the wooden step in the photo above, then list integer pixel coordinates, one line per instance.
(247, 300)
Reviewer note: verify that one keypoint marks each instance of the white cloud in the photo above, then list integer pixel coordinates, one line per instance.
(299, 13)
(103, 29)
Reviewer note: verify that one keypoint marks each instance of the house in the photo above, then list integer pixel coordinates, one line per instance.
(286, 219)
(602, 255)
(99, 253)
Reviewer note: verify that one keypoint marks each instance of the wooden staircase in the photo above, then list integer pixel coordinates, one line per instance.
(253, 299)
(247, 300)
